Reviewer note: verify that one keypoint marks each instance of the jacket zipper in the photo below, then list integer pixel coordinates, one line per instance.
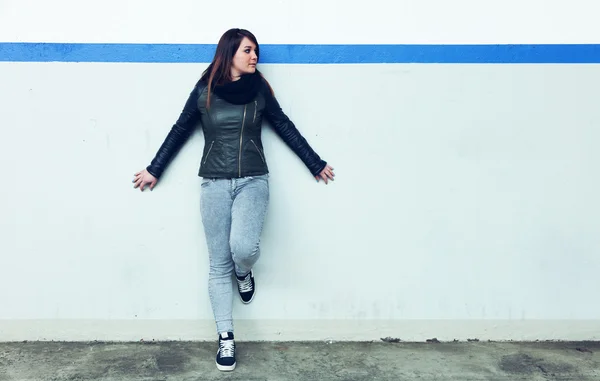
(241, 139)
(255, 107)
(261, 156)
(208, 153)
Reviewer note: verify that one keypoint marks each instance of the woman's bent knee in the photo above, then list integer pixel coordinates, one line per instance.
(245, 252)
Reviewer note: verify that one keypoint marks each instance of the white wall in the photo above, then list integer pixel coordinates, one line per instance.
(465, 203)
(308, 21)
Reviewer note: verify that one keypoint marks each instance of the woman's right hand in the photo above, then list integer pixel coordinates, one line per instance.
(143, 179)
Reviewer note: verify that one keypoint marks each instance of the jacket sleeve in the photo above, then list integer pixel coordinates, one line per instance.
(180, 132)
(286, 129)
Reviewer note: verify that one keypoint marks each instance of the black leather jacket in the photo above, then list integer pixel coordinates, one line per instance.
(232, 135)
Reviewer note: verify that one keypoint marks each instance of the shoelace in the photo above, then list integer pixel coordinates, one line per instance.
(226, 348)
(246, 284)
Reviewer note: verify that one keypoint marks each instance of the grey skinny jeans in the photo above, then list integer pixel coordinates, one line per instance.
(233, 212)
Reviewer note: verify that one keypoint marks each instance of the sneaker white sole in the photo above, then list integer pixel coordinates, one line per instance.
(224, 368)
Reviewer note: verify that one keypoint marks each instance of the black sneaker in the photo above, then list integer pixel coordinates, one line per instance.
(226, 353)
(246, 287)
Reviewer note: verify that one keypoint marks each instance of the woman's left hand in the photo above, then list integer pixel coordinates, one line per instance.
(326, 174)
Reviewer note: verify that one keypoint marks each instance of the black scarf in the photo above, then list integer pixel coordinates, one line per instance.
(242, 91)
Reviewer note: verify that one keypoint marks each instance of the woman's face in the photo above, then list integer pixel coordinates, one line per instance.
(244, 60)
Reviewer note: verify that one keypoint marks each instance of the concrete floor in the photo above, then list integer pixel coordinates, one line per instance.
(58, 361)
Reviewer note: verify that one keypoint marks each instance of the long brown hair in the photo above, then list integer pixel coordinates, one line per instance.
(219, 70)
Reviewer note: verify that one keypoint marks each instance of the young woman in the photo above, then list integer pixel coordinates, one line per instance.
(230, 101)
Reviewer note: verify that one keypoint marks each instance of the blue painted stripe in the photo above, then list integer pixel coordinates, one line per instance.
(303, 54)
